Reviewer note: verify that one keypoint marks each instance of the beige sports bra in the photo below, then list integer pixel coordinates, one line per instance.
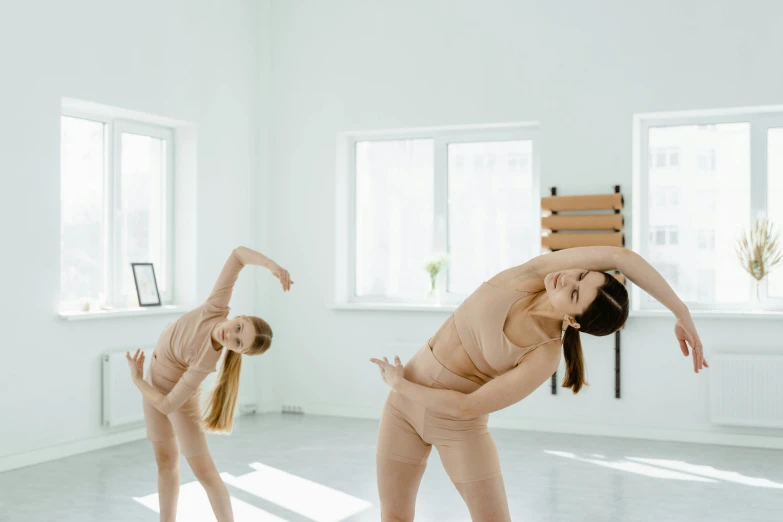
(480, 320)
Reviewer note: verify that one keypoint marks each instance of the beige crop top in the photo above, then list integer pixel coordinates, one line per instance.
(185, 347)
(480, 320)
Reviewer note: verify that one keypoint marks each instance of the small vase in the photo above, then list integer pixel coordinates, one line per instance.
(757, 304)
(435, 292)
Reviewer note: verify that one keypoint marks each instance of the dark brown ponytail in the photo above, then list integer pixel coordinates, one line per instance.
(605, 315)
(575, 365)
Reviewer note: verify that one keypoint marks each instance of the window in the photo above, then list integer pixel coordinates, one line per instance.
(82, 259)
(517, 161)
(662, 157)
(729, 170)
(489, 223)
(470, 193)
(115, 196)
(706, 285)
(668, 235)
(674, 157)
(775, 200)
(660, 198)
(706, 238)
(706, 160)
(665, 196)
(394, 210)
(669, 271)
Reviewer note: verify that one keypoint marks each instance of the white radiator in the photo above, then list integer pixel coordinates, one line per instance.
(121, 399)
(746, 390)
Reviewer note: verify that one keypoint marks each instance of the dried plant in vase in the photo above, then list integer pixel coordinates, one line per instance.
(758, 250)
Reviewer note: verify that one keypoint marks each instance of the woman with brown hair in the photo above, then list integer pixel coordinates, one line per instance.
(187, 351)
(502, 343)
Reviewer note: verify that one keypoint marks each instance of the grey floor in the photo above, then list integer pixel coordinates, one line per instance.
(548, 477)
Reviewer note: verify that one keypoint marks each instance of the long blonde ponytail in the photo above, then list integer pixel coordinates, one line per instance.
(219, 414)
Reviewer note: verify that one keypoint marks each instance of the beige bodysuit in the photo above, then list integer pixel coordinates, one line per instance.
(182, 359)
(408, 430)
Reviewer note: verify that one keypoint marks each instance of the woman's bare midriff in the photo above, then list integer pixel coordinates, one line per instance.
(448, 350)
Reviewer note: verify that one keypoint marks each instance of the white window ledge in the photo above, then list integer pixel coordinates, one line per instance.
(396, 307)
(449, 308)
(715, 314)
(124, 312)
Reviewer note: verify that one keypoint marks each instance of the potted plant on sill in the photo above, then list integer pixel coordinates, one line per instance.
(759, 252)
(434, 266)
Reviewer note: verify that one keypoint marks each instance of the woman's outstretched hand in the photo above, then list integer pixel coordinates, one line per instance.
(686, 334)
(392, 374)
(282, 274)
(136, 364)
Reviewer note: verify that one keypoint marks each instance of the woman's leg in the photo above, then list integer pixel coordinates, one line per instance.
(207, 474)
(473, 465)
(167, 457)
(398, 484)
(161, 433)
(401, 459)
(486, 500)
(195, 450)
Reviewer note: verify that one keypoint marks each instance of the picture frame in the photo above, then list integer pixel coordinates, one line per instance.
(146, 284)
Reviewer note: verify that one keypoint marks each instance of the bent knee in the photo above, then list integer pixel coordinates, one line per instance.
(391, 515)
(208, 478)
(167, 461)
(167, 456)
(205, 471)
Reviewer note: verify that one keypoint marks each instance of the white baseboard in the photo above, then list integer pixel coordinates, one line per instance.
(77, 447)
(68, 449)
(339, 410)
(269, 407)
(641, 432)
(770, 441)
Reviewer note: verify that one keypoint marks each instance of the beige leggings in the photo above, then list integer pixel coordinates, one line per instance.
(182, 423)
(408, 430)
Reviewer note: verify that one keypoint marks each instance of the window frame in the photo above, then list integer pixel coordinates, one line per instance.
(442, 138)
(114, 127)
(760, 120)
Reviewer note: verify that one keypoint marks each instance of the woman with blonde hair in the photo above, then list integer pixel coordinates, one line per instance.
(187, 351)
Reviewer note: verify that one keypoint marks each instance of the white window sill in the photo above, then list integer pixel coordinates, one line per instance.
(124, 312)
(396, 307)
(714, 314)
(449, 308)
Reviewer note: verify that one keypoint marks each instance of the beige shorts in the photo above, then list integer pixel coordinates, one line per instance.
(182, 424)
(408, 430)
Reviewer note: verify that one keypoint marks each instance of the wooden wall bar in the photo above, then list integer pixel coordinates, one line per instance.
(560, 241)
(562, 231)
(571, 203)
(583, 222)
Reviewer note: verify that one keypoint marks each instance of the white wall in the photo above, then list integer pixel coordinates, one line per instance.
(196, 61)
(580, 68)
(268, 86)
